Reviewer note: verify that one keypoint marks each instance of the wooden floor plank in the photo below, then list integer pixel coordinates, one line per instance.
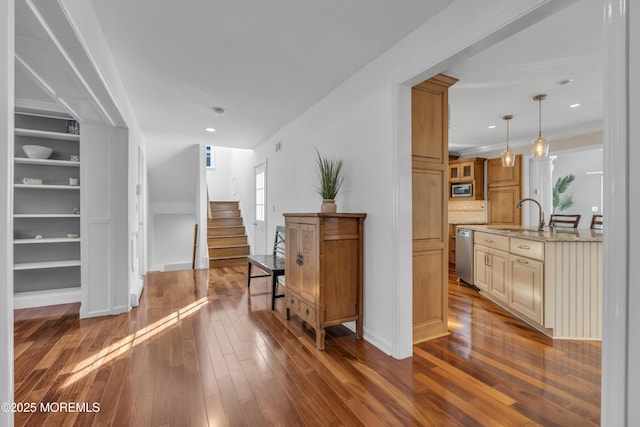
(200, 351)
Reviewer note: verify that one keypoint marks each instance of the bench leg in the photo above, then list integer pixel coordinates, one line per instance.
(274, 283)
(248, 275)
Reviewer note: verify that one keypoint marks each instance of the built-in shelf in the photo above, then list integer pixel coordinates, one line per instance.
(46, 215)
(46, 162)
(46, 264)
(46, 240)
(47, 270)
(47, 134)
(48, 187)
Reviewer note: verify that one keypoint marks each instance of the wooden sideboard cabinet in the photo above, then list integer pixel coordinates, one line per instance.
(323, 264)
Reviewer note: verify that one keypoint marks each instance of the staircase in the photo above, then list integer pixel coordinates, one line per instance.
(226, 237)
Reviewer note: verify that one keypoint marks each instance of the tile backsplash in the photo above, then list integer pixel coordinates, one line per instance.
(467, 211)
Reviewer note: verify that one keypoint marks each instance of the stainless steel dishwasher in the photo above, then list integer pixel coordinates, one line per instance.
(464, 254)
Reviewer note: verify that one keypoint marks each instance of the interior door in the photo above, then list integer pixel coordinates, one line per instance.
(260, 209)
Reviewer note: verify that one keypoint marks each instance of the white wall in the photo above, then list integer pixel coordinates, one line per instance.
(219, 177)
(6, 216)
(586, 189)
(174, 204)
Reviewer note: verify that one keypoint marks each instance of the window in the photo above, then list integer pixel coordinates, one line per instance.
(209, 156)
(260, 199)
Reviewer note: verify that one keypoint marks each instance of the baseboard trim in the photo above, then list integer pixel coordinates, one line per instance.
(45, 298)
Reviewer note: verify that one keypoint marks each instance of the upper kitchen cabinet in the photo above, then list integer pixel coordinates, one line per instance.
(467, 176)
(504, 189)
(498, 175)
(466, 170)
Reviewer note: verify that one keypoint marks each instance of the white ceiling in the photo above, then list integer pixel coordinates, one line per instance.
(267, 62)
(504, 78)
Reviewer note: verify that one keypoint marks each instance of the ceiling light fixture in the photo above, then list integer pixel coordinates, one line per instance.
(564, 82)
(540, 146)
(508, 159)
(491, 126)
(210, 129)
(218, 110)
(574, 105)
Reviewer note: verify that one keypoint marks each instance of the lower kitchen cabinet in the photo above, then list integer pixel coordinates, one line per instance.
(324, 270)
(525, 276)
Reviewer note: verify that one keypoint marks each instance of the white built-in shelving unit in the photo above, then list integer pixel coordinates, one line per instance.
(46, 261)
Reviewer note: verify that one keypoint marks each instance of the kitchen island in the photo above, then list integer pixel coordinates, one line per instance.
(551, 279)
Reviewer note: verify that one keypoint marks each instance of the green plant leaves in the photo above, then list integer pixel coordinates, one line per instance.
(562, 184)
(330, 176)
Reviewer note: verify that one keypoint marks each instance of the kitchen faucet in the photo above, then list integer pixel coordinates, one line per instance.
(541, 214)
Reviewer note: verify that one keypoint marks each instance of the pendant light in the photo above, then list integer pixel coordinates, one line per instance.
(508, 159)
(540, 147)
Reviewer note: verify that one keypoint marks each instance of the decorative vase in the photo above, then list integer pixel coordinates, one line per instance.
(329, 206)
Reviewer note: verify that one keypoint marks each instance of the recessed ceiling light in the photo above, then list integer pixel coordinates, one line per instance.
(574, 105)
(210, 129)
(564, 82)
(492, 126)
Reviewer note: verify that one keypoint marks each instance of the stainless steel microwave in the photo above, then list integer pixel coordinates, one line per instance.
(462, 190)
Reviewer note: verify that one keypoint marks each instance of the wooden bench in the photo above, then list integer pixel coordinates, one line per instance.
(272, 265)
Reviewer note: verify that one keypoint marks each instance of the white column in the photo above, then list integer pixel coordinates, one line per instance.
(620, 375)
(6, 206)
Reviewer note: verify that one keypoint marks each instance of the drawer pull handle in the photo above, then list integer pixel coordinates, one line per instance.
(522, 261)
(488, 241)
(291, 300)
(306, 312)
(524, 247)
(299, 258)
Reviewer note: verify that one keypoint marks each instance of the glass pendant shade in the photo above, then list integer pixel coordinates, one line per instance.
(540, 146)
(508, 158)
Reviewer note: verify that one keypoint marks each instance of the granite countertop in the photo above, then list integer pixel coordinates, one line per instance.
(556, 234)
(467, 222)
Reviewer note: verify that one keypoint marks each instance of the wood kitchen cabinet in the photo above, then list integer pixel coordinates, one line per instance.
(324, 270)
(491, 262)
(429, 196)
(501, 202)
(498, 175)
(468, 171)
(525, 274)
(526, 287)
(504, 189)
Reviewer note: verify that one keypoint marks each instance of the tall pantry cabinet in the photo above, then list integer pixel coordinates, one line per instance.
(46, 212)
(430, 198)
(324, 268)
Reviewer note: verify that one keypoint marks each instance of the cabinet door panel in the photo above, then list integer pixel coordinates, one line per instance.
(309, 267)
(480, 275)
(341, 299)
(499, 275)
(292, 248)
(426, 123)
(526, 287)
(502, 206)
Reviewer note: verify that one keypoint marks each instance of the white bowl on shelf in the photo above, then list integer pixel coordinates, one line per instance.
(37, 151)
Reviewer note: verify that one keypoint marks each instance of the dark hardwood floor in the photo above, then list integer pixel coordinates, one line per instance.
(199, 352)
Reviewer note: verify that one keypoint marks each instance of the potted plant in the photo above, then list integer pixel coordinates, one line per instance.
(331, 178)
